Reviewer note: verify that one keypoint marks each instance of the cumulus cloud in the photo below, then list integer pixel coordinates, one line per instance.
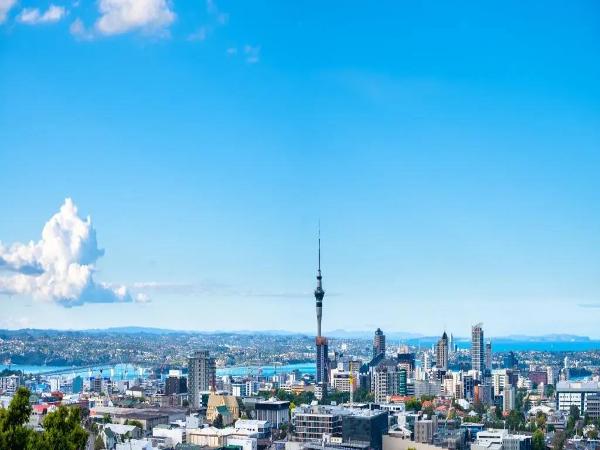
(33, 16)
(121, 16)
(5, 7)
(60, 267)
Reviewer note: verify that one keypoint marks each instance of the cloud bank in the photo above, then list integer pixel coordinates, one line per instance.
(59, 268)
(33, 16)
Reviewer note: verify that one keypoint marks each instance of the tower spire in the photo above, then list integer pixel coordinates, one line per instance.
(319, 247)
(319, 292)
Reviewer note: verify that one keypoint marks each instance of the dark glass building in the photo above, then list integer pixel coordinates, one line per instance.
(365, 426)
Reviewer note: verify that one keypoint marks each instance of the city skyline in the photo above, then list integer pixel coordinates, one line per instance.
(450, 154)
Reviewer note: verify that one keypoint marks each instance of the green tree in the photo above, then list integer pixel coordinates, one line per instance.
(13, 434)
(515, 420)
(540, 420)
(99, 444)
(218, 422)
(428, 411)
(106, 418)
(62, 430)
(135, 423)
(363, 396)
(574, 412)
(537, 440)
(412, 404)
(558, 442)
(479, 407)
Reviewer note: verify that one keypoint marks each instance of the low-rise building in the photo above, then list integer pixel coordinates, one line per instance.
(276, 412)
(585, 395)
(365, 425)
(312, 422)
(424, 430)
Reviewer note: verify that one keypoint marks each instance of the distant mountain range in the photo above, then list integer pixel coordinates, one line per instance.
(340, 334)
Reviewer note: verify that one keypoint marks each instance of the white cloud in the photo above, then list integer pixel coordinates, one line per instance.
(33, 16)
(142, 298)
(79, 30)
(121, 16)
(252, 54)
(5, 7)
(59, 268)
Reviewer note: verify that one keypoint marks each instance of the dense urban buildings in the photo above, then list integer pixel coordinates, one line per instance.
(358, 394)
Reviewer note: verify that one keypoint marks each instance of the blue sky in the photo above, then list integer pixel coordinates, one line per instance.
(450, 150)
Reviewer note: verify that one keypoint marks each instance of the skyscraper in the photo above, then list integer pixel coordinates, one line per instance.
(488, 354)
(202, 374)
(378, 343)
(510, 361)
(477, 349)
(441, 353)
(321, 341)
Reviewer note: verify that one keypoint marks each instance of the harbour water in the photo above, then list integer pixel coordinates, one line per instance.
(130, 371)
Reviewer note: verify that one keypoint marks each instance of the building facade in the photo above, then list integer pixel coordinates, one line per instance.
(202, 374)
(441, 353)
(477, 349)
(583, 395)
(378, 343)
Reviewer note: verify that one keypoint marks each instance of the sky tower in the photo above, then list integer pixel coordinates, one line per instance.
(320, 341)
(319, 292)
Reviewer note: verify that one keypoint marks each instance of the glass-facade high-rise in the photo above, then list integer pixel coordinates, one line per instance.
(477, 348)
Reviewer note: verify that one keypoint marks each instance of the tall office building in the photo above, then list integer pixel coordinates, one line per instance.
(322, 360)
(510, 361)
(321, 341)
(202, 374)
(441, 353)
(378, 343)
(387, 379)
(488, 354)
(477, 348)
(508, 399)
(426, 362)
(175, 383)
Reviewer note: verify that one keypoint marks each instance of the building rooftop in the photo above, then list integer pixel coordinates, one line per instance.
(119, 429)
(578, 386)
